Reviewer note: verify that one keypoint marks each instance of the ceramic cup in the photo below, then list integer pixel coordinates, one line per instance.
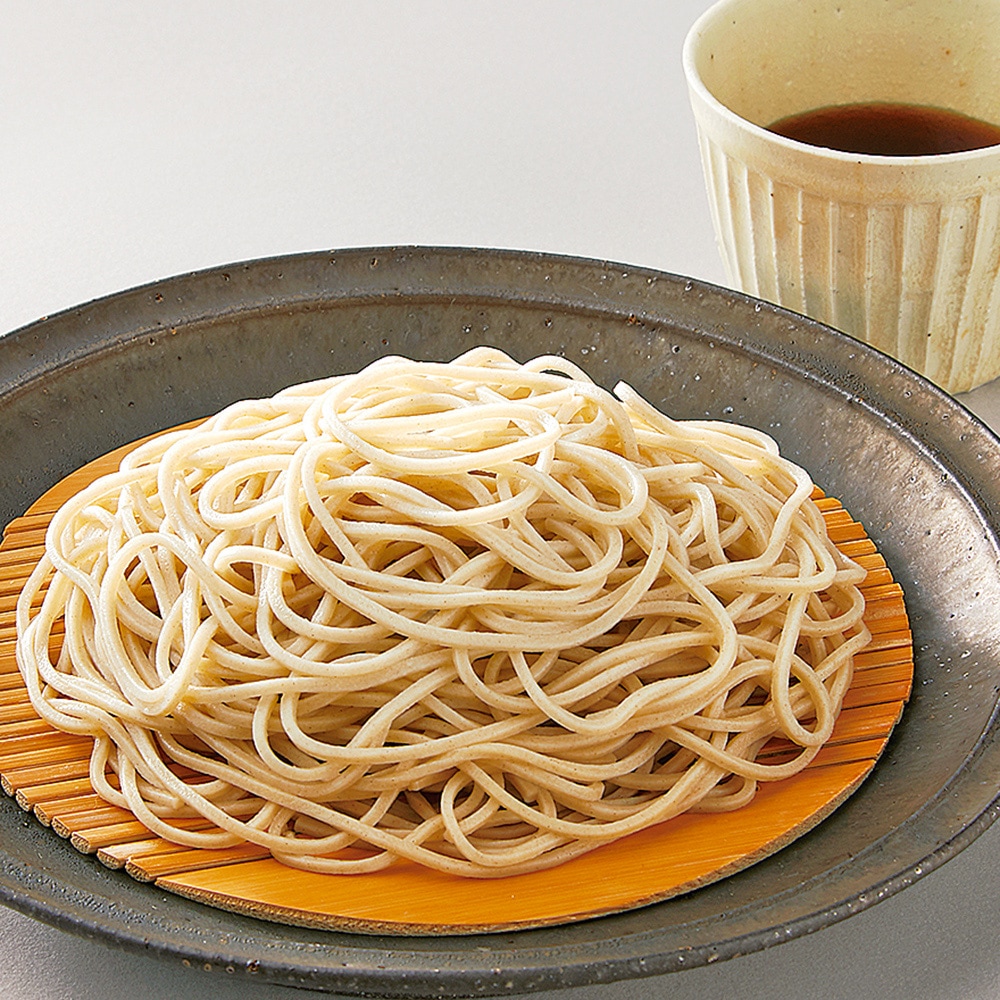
(902, 252)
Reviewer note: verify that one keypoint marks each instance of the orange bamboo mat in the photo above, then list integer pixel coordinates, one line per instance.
(47, 771)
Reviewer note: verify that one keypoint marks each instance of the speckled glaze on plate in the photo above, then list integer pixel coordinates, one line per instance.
(910, 463)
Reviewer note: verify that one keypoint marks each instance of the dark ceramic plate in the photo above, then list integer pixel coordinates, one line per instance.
(906, 460)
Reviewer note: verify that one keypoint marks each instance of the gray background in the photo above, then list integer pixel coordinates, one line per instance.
(143, 140)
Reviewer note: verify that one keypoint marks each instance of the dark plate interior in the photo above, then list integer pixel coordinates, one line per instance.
(910, 463)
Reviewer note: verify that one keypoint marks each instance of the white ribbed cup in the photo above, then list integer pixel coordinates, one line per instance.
(900, 252)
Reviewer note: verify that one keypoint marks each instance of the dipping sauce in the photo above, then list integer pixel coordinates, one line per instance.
(886, 129)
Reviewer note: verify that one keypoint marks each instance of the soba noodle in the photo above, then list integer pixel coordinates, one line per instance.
(479, 615)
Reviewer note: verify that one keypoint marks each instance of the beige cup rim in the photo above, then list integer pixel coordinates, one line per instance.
(696, 83)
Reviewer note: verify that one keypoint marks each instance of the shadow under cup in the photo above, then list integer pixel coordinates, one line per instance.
(902, 252)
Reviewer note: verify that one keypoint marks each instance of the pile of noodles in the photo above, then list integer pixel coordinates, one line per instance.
(480, 615)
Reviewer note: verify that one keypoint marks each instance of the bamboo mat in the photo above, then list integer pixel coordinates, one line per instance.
(46, 771)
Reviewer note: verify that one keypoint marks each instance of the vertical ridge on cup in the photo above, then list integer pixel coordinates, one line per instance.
(819, 216)
(735, 239)
(989, 357)
(921, 233)
(977, 322)
(902, 252)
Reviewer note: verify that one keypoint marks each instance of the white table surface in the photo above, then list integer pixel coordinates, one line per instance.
(143, 140)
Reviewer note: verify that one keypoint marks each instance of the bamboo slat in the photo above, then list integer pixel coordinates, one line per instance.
(47, 772)
(37, 798)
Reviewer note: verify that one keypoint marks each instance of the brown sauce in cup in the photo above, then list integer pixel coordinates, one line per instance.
(887, 129)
